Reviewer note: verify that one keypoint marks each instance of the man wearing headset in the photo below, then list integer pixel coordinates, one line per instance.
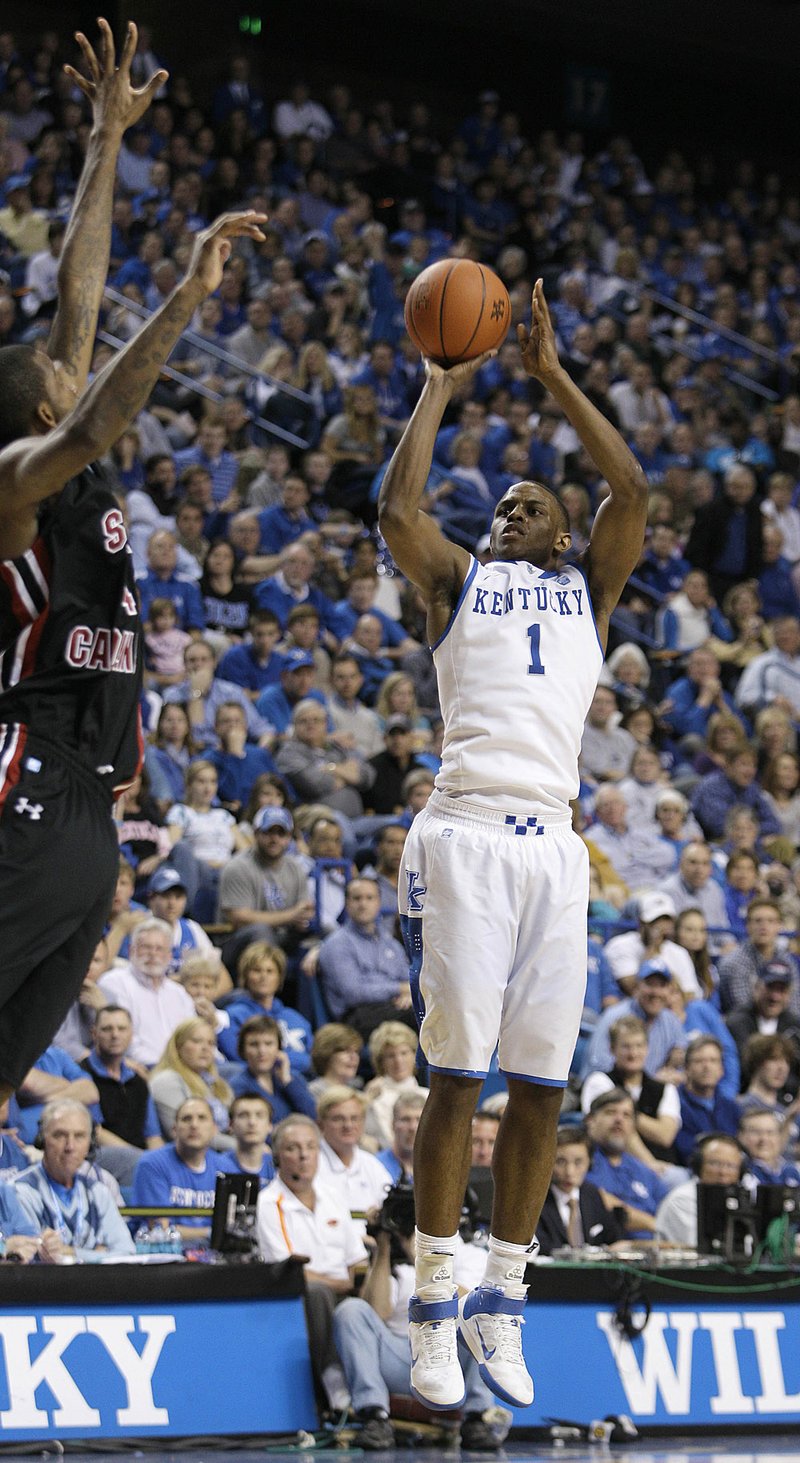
(718, 1158)
(74, 1214)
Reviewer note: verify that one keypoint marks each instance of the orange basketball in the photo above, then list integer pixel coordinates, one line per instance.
(457, 309)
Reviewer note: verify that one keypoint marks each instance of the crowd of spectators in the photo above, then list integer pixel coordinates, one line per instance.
(252, 972)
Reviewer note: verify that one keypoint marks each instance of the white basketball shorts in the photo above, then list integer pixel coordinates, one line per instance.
(494, 910)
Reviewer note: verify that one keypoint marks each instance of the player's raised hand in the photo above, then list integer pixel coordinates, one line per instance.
(538, 346)
(115, 102)
(456, 376)
(212, 248)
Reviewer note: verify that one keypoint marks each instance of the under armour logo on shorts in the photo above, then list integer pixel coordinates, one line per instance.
(33, 810)
(523, 826)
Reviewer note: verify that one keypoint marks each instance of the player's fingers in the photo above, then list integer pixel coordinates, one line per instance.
(157, 80)
(522, 336)
(89, 56)
(107, 46)
(129, 48)
(87, 87)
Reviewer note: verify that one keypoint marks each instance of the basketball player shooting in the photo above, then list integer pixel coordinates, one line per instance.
(70, 654)
(494, 884)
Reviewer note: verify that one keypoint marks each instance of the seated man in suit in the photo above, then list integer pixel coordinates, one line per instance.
(574, 1212)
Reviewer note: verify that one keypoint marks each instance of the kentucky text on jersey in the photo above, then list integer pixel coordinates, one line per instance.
(528, 598)
(101, 650)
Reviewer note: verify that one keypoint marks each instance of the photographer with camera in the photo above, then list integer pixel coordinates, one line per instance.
(371, 1333)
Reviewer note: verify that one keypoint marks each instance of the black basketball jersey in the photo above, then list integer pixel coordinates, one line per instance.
(70, 637)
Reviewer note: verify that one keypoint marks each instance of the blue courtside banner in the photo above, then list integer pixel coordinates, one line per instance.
(142, 1371)
(699, 1365)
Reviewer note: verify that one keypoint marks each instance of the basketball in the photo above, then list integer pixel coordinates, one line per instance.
(457, 309)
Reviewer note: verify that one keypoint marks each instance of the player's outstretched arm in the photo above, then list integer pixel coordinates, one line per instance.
(83, 266)
(34, 467)
(618, 530)
(424, 555)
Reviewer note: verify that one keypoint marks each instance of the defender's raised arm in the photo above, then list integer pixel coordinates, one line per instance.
(83, 266)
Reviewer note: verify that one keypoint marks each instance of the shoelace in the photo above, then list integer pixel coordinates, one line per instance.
(437, 1342)
(504, 1333)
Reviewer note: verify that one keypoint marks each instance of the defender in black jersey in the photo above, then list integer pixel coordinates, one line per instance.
(70, 653)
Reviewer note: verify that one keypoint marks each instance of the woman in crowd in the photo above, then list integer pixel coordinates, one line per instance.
(268, 1071)
(260, 974)
(691, 931)
(315, 375)
(204, 837)
(742, 610)
(398, 697)
(771, 1075)
(167, 758)
(335, 1057)
(355, 441)
(226, 601)
(781, 783)
(188, 1069)
(143, 839)
(630, 674)
(393, 1054)
(645, 780)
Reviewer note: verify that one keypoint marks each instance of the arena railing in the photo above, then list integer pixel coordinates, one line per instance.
(218, 353)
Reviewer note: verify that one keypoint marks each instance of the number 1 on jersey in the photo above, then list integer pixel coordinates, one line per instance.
(534, 635)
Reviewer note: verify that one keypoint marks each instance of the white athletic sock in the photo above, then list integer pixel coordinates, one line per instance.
(433, 1267)
(505, 1267)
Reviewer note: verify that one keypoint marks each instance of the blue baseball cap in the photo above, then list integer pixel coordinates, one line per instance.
(267, 818)
(297, 660)
(17, 181)
(654, 967)
(164, 879)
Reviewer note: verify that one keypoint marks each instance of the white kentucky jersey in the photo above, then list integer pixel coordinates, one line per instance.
(517, 668)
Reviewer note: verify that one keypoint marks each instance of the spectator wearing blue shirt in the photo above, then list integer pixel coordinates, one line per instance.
(20, 1232)
(693, 699)
(775, 583)
(284, 522)
(611, 1123)
(762, 1136)
(183, 1174)
(238, 761)
(362, 589)
(735, 785)
(290, 586)
(740, 447)
(481, 133)
(365, 646)
(268, 1072)
(389, 385)
(255, 664)
(276, 704)
(650, 1002)
(53, 1075)
(662, 566)
(13, 1157)
(202, 693)
(251, 1123)
(704, 1107)
(72, 1210)
(363, 971)
(162, 581)
(261, 972)
(211, 453)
